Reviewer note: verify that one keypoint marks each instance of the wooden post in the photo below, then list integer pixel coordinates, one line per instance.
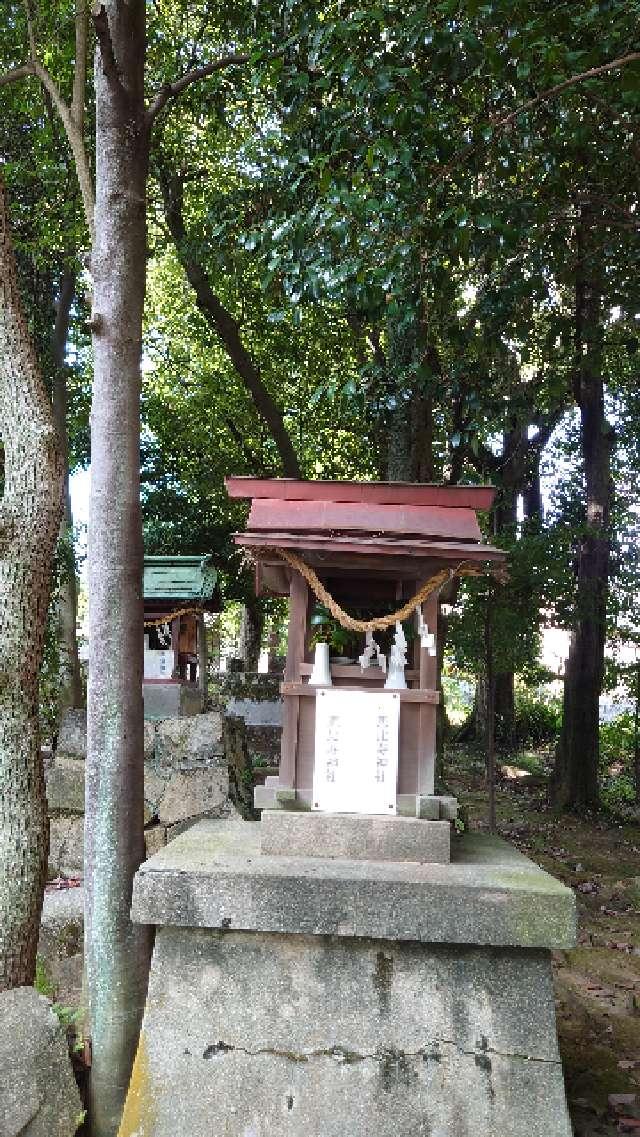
(298, 603)
(490, 737)
(202, 656)
(426, 728)
(175, 647)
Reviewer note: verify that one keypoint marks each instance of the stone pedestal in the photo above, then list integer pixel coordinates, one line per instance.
(304, 997)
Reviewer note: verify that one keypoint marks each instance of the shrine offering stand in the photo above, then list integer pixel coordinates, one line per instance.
(316, 996)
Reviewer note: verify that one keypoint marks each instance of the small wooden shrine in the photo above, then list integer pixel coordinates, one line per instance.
(177, 592)
(382, 550)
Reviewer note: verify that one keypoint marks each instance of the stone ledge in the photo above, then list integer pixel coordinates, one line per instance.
(214, 876)
(354, 836)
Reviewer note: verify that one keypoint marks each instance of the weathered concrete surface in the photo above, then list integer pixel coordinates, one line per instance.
(66, 845)
(38, 1093)
(340, 1036)
(215, 876)
(361, 837)
(65, 785)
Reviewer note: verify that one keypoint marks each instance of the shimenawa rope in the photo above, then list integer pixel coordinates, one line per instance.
(465, 568)
(169, 617)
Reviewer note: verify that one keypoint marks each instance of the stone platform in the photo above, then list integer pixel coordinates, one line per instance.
(307, 997)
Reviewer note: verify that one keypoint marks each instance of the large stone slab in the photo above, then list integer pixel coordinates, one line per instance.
(344, 1036)
(65, 785)
(38, 1093)
(170, 700)
(194, 793)
(353, 836)
(215, 876)
(188, 743)
(66, 845)
(72, 735)
(60, 944)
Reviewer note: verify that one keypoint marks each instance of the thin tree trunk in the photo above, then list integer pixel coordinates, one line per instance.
(251, 625)
(117, 951)
(30, 511)
(69, 667)
(504, 707)
(575, 778)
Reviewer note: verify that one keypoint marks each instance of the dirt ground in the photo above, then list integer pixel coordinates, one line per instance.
(598, 983)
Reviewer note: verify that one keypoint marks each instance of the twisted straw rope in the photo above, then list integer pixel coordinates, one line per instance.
(465, 568)
(171, 616)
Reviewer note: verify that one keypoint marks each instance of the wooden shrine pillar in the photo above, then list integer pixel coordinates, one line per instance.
(202, 655)
(428, 680)
(298, 611)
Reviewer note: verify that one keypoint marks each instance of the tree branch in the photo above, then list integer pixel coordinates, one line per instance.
(80, 67)
(21, 72)
(72, 117)
(500, 123)
(172, 90)
(107, 54)
(223, 322)
(551, 92)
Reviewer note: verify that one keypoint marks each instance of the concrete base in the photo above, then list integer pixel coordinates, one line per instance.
(171, 700)
(302, 997)
(359, 837)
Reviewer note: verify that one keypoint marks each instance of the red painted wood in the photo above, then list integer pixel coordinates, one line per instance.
(367, 517)
(417, 547)
(379, 493)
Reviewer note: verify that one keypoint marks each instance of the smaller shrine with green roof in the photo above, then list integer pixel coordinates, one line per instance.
(177, 592)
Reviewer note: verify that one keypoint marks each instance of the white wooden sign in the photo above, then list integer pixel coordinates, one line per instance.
(158, 664)
(356, 753)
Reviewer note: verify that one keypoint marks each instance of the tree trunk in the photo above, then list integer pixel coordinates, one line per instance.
(575, 778)
(226, 326)
(69, 666)
(251, 624)
(504, 707)
(117, 951)
(30, 511)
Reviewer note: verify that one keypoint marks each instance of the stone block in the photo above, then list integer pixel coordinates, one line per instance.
(38, 1093)
(286, 833)
(427, 807)
(155, 838)
(60, 944)
(189, 743)
(256, 712)
(170, 700)
(448, 808)
(66, 845)
(364, 1037)
(62, 924)
(65, 785)
(239, 765)
(264, 744)
(149, 740)
(72, 735)
(490, 894)
(194, 793)
(154, 788)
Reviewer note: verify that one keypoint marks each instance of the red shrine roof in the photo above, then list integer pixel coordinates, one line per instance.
(346, 519)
